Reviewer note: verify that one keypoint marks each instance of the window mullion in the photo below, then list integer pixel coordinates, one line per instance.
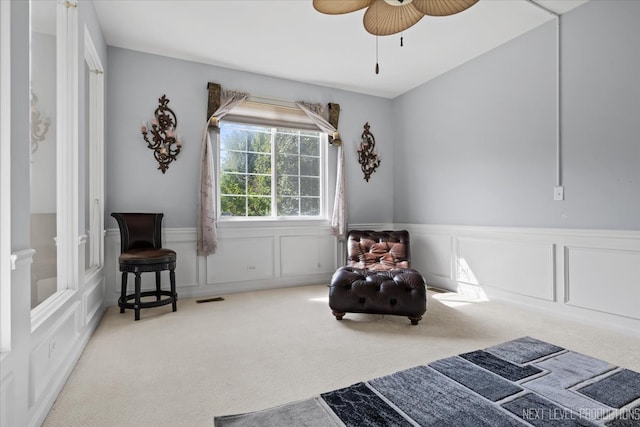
(246, 176)
(274, 175)
(246, 191)
(299, 176)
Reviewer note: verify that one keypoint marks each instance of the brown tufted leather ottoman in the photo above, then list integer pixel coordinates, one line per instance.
(377, 278)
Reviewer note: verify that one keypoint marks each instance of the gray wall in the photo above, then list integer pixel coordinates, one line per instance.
(133, 183)
(478, 143)
(601, 114)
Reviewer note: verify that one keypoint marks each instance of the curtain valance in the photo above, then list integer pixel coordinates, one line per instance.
(270, 114)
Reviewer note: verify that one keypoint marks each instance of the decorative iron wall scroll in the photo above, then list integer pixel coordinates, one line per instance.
(367, 154)
(165, 143)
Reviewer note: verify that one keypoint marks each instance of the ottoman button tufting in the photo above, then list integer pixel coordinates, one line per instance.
(379, 269)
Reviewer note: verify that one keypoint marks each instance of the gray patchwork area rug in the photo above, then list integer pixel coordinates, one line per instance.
(524, 382)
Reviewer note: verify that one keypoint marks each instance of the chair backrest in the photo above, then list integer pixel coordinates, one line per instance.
(139, 230)
(378, 250)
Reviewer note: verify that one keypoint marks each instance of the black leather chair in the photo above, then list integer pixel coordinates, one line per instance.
(141, 251)
(378, 277)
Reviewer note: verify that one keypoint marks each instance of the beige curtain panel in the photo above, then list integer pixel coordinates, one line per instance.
(207, 206)
(339, 216)
(319, 115)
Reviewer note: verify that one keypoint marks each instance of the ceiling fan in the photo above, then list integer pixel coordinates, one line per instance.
(386, 17)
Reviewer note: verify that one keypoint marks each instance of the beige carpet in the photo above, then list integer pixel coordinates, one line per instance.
(260, 349)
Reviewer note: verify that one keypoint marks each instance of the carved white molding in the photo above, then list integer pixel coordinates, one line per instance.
(22, 258)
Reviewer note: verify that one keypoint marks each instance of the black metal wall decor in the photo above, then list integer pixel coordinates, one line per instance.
(367, 154)
(165, 143)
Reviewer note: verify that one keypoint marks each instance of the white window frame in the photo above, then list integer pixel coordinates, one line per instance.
(96, 156)
(324, 171)
(5, 176)
(67, 236)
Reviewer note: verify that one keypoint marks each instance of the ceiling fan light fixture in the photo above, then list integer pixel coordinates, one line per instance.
(386, 17)
(398, 2)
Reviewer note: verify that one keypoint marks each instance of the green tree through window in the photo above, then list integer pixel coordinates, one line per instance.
(269, 172)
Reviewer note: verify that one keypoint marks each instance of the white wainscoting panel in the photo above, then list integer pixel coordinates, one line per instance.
(588, 274)
(433, 254)
(92, 299)
(514, 266)
(239, 259)
(250, 256)
(180, 240)
(183, 242)
(591, 274)
(50, 354)
(602, 279)
(302, 255)
(7, 393)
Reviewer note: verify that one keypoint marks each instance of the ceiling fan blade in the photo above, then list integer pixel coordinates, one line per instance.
(383, 19)
(442, 7)
(338, 7)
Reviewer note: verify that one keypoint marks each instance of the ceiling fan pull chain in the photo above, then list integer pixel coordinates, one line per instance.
(377, 66)
(401, 40)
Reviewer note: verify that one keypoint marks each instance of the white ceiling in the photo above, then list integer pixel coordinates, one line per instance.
(291, 40)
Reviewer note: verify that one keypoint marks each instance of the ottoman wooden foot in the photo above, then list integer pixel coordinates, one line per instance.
(338, 315)
(415, 320)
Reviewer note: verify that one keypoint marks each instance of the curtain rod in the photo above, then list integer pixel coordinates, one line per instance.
(273, 101)
(285, 103)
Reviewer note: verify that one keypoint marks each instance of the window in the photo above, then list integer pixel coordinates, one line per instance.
(54, 155)
(93, 155)
(45, 51)
(270, 171)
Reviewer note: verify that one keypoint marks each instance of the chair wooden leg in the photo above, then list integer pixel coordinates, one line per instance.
(137, 304)
(174, 295)
(339, 314)
(158, 286)
(123, 292)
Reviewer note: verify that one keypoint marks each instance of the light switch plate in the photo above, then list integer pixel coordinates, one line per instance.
(558, 193)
